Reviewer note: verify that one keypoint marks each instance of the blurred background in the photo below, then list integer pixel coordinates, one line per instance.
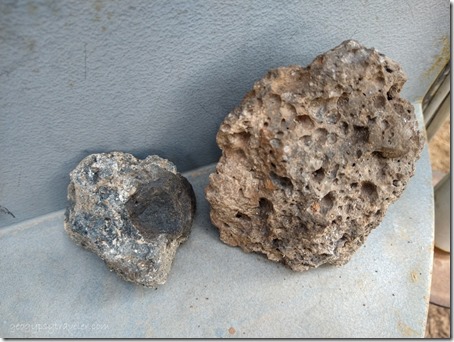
(437, 108)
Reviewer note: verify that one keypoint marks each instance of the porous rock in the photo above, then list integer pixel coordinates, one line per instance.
(313, 157)
(132, 213)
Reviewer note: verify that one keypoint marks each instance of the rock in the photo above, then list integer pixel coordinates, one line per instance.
(132, 213)
(313, 157)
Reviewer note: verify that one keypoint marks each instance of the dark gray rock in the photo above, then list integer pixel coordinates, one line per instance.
(313, 157)
(132, 213)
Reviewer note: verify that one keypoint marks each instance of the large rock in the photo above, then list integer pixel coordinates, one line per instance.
(313, 157)
(132, 213)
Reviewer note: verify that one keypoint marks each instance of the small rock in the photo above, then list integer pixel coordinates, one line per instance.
(132, 213)
(313, 157)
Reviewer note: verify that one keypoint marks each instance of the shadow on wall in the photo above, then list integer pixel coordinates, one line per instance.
(204, 98)
(220, 87)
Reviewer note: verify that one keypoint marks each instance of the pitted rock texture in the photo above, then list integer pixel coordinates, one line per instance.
(313, 157)
(132, 213)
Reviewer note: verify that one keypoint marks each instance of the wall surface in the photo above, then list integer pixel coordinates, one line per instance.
(78, 77)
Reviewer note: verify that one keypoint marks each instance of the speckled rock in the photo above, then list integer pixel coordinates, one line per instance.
(313, 157)
(132, 213)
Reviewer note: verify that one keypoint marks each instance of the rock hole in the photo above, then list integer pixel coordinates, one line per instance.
(380, 101)
(327, 203)
(334, 170)
(320, 135)
(237, 154)
(399, 109)
(307, 140)
(361, 134)
(369, 191)
(305, 121)
(377, 154)
(389, 70)
(354, 185)
(359, 153)
(392, 92)
(265, 206)
(241, 215)
(281, 181)
(274, 99)
(241, 139)
(319, 174)
(344, 127)
(265, 124)
(288, 110)
(342, 102)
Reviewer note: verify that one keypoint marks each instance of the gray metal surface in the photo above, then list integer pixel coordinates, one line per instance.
(78, 77)
(52, 288)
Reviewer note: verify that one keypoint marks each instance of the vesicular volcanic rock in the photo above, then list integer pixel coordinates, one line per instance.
(313, 157)
(132, 213)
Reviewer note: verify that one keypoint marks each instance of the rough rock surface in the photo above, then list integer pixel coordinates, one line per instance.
(132, 213)
(313, 157)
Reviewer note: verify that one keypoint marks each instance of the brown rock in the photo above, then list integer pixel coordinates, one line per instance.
(313, 157)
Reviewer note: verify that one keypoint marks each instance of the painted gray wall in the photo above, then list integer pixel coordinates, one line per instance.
(78, 77)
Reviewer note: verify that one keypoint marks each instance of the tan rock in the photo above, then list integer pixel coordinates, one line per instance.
(313, 157)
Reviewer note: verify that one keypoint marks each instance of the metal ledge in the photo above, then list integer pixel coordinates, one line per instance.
(52, 288)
